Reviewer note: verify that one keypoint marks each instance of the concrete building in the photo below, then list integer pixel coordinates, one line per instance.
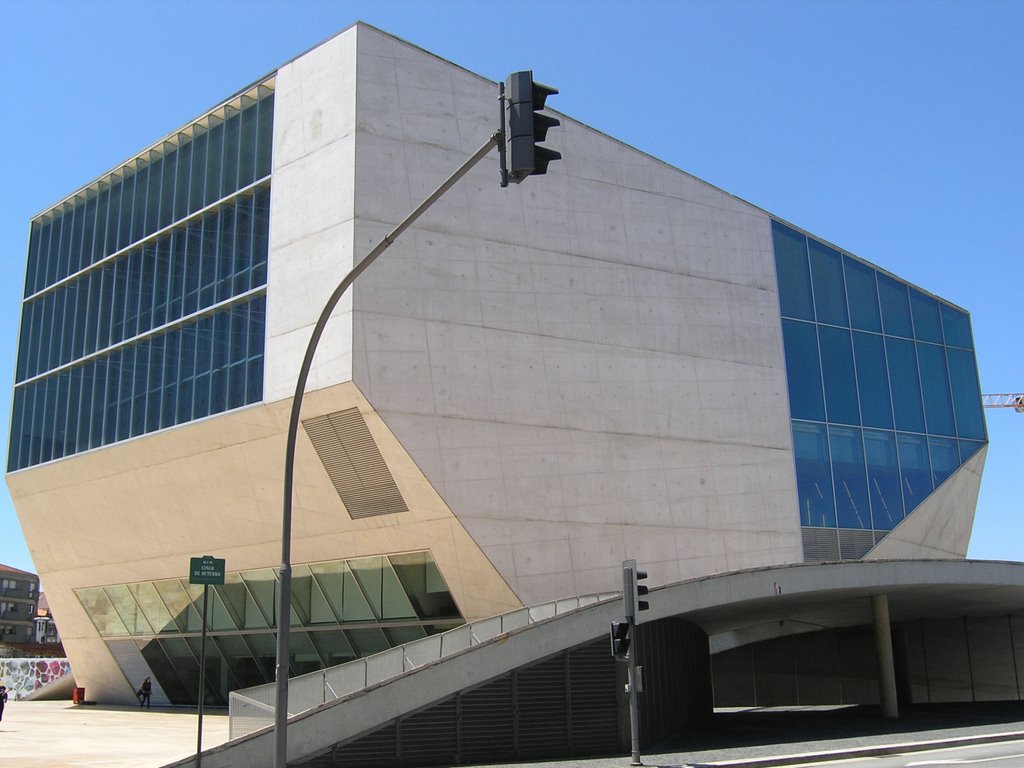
(19, 595)
(616, 360)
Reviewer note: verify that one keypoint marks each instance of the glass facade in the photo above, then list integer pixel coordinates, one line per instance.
(341, 610)
(144, 302)
(883, 387)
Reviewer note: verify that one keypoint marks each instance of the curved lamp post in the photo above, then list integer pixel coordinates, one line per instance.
(285, 587)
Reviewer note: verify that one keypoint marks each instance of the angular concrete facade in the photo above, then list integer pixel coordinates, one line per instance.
(557, 376)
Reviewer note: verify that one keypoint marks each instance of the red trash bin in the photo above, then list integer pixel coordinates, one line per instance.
(78, 696)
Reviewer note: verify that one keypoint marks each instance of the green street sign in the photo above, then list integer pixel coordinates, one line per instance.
(206, 570)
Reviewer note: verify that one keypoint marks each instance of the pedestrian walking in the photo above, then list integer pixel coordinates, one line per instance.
(144, 692)
(3, 700)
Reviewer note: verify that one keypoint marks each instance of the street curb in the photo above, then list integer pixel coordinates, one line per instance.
(854, 752)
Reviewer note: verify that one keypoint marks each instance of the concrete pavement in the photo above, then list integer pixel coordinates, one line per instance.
(62, 735)
(59, 734)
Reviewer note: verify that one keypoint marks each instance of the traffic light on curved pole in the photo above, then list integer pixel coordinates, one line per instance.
(527, 126)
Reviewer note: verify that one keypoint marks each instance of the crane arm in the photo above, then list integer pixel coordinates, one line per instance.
(1015, 401)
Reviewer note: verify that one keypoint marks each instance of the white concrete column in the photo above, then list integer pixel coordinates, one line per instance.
(883, 650)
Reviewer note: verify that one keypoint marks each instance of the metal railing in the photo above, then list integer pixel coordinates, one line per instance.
(251, 709)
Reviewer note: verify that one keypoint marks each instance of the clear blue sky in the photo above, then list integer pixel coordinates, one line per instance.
(892, 129)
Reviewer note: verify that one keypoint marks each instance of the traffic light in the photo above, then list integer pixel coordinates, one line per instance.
(620, 639)
(632, 590)
(527, 127)
(641, 590)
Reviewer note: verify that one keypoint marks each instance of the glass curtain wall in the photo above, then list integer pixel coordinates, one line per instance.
(144, 302)
(341, 610)
(883, 387)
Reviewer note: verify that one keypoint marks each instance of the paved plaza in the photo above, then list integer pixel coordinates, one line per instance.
(59, 734)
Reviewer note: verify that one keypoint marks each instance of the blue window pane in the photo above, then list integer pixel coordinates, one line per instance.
(938, 408)
(181, 177)
(99, 402)
(848, 472)
(261, 228)
(963, 380)
(88, 230)
(240, 270)
(793, 272)
(125, 394)
(883, 479)
(872, 380)
(170, 172)
(945, 456)
(907, 408)
(60, 411)
(196, 187)
(813, 475)
(35, 230)
(915, 472)
(968, 448)
(214, 158)
(17, 429)
(187, 367)
(24, 336)
(112, 398)
(862, 293)
(247, 143)
(88, 373)
(231, 137)
(257, 337)
(172, 354)
(154, 383)
(142, 363)
(925, 311)
(226, 262)
(264, 132)
(956, 327)
(892, 295)
(827, 279)
(840, 381)
(803, 371)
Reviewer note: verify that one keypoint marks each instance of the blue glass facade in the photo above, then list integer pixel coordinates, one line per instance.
(144, 303)
(883, 387)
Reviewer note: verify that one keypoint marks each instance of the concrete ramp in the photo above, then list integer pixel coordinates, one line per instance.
(322, 729)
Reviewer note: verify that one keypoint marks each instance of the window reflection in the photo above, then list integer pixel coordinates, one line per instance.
(883, 479)
(882, 413)
(915, 469)
(848, 470)
(130, 255)
(813, 475)
(345, 609)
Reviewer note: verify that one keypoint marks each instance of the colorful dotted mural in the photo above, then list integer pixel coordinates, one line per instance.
(22, 676)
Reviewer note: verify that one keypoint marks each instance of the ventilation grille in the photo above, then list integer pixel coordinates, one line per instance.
(519, 716)
(820, 544)
(854, 544)
(354, 464)
(838, 544)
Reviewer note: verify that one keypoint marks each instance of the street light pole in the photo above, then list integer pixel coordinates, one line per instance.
(285, 586)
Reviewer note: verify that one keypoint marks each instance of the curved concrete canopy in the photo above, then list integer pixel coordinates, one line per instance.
(744, 606)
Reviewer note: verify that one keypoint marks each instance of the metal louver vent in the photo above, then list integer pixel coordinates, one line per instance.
(854, 544)
(564, 705)
(354, 464)
(820, 544)
(838, 544)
